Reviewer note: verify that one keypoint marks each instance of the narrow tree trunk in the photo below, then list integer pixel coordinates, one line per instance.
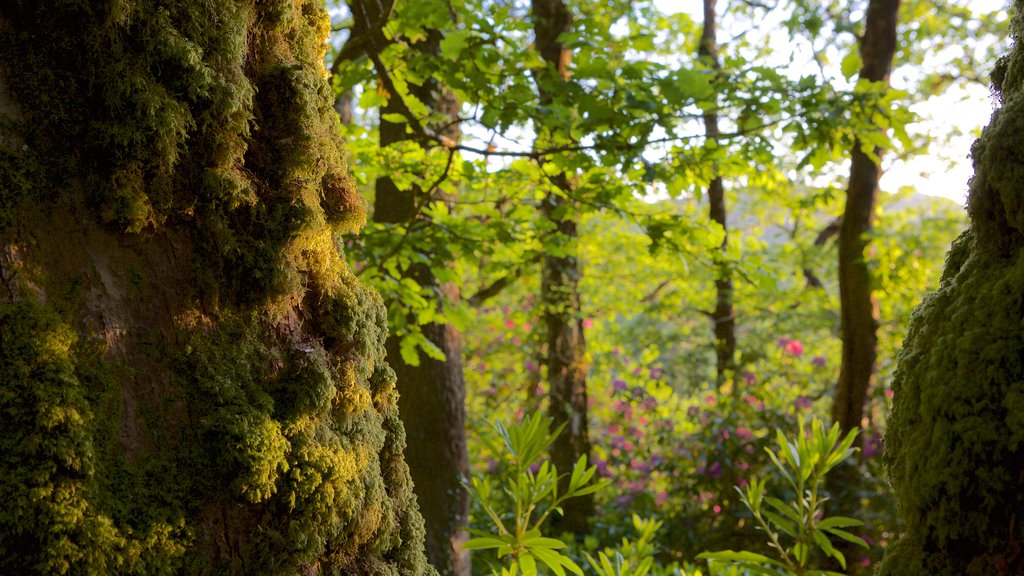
(560, 295)
(858, 312)
(724, 318)
(955, 437)
(431, 395)
(191, 379)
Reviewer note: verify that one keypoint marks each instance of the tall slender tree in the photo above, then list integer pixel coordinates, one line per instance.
(560, 277)
(432, 391)
(858, 313)
(723, 317)
(191, 379)
(955, 438)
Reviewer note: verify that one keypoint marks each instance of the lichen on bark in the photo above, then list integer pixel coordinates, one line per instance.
(955, 441)
(192, 381)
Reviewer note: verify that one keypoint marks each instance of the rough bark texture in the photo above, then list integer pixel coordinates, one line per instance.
(858, 313)
(955, 441)
(560, 296)
(433, 394)
(723, 318)
(191, 379)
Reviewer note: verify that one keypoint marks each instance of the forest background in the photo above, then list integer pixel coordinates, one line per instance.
(633, 221)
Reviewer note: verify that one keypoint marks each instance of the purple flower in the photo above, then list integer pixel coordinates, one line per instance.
(492, 466)
(715, 469)
(655, 373)
(819, 361)
(749, 378)
(802, 403)
(619, 385)
(530, 366)
(693, 411)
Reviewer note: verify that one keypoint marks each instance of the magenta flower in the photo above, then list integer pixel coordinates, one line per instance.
(530, 366)
(794, 348)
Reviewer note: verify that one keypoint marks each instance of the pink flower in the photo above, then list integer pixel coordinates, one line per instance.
(527, 326)
(888, 394)
(794, 348)
(510, 324)
(660, 499)
(588, 323)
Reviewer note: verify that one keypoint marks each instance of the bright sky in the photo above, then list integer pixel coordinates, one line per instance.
(943, 171)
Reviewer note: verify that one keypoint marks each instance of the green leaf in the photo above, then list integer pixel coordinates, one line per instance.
(734, 556)
(394, 118)
(453, 43)
(484, 543)
(852, 62)
(838, 522)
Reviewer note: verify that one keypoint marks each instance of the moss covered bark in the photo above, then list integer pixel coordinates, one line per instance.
(955, 443)
(191, 379)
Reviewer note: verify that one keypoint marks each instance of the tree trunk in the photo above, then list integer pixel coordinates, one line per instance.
(858, 313)
(432, 395)
(955, 439)
(192, 381)
(560, 295)
(724, 318)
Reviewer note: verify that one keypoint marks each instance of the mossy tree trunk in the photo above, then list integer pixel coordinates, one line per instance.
(566, 360)
(723, 317)
(192, 381)
(432, 393)
(955, 439)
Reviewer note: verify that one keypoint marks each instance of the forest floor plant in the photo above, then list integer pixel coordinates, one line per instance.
(521, 494)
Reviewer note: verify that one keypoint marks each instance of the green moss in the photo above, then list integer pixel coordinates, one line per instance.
(56, 518)
(156, 105)
(955, 442)
(254, 431)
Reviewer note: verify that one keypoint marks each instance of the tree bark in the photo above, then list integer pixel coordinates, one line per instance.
(432, 394)
(723, 317)
(192, 381)
(858, 312)
(560, 297)
(955, 437)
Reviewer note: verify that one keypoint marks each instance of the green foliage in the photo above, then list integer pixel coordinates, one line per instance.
(532, 487)
(803, 463)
